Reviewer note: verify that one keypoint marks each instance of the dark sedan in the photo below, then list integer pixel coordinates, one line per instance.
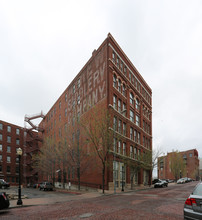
(4, 201)
(193, 204)
(161, 183)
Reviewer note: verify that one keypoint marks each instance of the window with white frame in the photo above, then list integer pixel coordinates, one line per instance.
(119, 105)
(115, 101)
(8, 128)
(115, 145)
(1, 126)
(119, 126)
(113, 56)
(1, 148)
(124, 128)
(0, 157)
(124, 148)
(124, 90)
(119, 85)
(131, 98)
(131, 151)
(131, 133)
(138, 137)
(115, 123)
(1, 137)
(124, 109)
(8, 139)
(119, 147)
(137, 122)
(135, 135)
(18, 141)
(114, 81)
(8, 159)
(131, 115)
(8, 149)
(137, 104)
(17, 131)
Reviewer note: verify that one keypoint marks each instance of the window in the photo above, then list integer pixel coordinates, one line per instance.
(1, 137)
(17, 131)
(73, 88)
(59, 117)
(1, 147)
(124, 109)
(125, 70)
(8, 159)
(131, 98)
(16, 169)
(119, 105)
(17, 159)
(66, 112)
(79, 83)
(115, 144)
(121, 66)
(137, 120)
(8, 149)
(135, 135)
(131, 133)
(8, 139)
(131, 151)
(124, 128)
(131, 115)
(124, 90)
(113, 56)
(119, 126)
(124, 148)
(137, 104)
(130, 76)
(8, 128)
(190, 155)
(18, 141)
(8, 170)
(119, 147)
(114, 81)
(117, 61)
(0, 168)
(138, 137)
(135, 153)
(65, 97)
(0, 157)
(138, 154)
(78, 100)
(115, 102)
(115, 123)
(60, 104)
(1, 126)
(119, 85)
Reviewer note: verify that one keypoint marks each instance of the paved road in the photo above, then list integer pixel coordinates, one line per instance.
(156, 204)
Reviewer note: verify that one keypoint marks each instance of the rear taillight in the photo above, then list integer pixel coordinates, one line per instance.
(190, 201)
(4, 196)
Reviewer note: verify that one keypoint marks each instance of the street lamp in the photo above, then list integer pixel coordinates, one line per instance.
(19, 153)
(122, 179)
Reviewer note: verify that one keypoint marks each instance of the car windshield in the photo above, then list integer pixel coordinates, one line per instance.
(198, 190)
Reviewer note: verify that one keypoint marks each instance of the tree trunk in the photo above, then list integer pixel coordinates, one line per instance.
(103, 178)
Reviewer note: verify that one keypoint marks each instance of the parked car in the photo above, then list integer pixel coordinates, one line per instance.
(4, 184)
(4, 201)
(193, 204)
(161, 183)
(181, 181)
(46, 186)
(155, 181)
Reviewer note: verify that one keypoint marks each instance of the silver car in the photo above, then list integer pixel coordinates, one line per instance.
(193, 204)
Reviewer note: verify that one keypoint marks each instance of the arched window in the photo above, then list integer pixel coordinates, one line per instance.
(115, 81)
(137, 104)
(124, 90)
(131, 98)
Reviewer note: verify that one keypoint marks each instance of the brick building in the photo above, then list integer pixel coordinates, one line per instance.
(110, 81)
(11, 138)
(190, 159)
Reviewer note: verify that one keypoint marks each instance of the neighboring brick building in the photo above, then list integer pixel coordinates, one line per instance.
(11, 138)
(109, 80)
(191, 162)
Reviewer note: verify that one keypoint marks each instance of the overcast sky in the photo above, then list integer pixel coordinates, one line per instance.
(44, 44)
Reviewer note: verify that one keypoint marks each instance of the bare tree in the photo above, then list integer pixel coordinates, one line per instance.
(177, 165)
(100, 136)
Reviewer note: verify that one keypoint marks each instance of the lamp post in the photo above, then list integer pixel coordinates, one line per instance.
(19, 153)
(122, 179)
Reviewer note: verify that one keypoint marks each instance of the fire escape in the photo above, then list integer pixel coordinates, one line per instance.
(32, 141)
